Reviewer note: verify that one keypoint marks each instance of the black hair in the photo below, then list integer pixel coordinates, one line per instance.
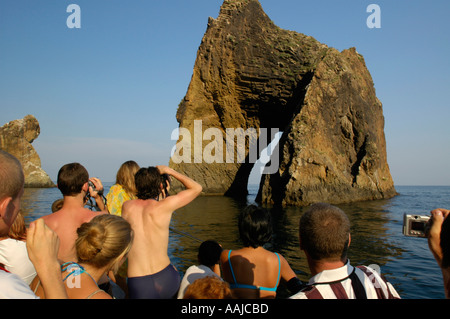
(209, 253)
(255, 226)
(148, 183)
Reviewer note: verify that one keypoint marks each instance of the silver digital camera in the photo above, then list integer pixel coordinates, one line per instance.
(416, 225)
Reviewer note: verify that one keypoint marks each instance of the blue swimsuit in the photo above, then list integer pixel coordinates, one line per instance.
(236, 285)
(161, 285)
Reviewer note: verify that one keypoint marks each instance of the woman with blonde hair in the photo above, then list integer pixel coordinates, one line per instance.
(124, 189)
(102, 245)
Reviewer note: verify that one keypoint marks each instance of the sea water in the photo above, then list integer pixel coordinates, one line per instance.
(376, 230)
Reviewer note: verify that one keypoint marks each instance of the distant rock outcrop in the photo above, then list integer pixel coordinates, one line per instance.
(249, 73)
(16, 138)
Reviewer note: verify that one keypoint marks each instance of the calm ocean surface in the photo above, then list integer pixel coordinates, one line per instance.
(376, 233)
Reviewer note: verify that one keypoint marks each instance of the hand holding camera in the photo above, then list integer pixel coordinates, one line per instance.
(95, 187)
(416, 225)
(437, 230)
(424, 226)
(434, 238)
(95, 191)
(166, 179)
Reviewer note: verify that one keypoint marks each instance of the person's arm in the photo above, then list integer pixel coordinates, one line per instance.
(42, 247)
(224, 265)
(289, 278)
(434, 236)
(98, 194)
(434, 243)
(193, 189)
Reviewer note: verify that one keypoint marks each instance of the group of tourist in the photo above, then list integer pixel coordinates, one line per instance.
(76, 253)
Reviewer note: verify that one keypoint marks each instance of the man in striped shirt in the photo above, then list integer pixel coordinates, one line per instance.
(325, 238)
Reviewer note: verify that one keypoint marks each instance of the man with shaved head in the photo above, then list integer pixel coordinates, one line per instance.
(324, 235)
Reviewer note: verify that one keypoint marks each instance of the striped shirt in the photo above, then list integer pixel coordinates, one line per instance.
(348, 282)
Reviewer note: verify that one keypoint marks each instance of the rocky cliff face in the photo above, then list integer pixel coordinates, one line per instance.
(249, 73)
(334, 149)
(16, 138)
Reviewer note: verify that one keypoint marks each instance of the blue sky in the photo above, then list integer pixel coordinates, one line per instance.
(108, 92)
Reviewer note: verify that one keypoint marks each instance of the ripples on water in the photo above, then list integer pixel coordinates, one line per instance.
(376, 233)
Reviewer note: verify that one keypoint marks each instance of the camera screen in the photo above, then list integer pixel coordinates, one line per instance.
(418, 226)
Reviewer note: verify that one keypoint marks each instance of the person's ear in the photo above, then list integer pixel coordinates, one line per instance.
(4, 205)
(7, 214)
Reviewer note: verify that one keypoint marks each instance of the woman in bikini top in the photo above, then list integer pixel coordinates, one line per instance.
(102, 245)
(253, 271)
(74, 281)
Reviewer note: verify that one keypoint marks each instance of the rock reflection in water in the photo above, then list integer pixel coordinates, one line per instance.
(215, 217)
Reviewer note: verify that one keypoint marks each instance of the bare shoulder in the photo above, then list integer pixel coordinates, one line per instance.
(282, 259)
(127, 204)
(51, 220)
(132, 206)
(88, 214)
(224, 255)
(273, 257)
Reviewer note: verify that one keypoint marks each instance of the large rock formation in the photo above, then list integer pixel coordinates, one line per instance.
(249, 73)
(16, 138)
(334, 149)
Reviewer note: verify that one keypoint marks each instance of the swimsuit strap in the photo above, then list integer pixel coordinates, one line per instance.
(279, 269)
(236, 285)
(37, 286)
(231, 268)
(75, 272)
(94, 293)
(278, 279)
(78, 271)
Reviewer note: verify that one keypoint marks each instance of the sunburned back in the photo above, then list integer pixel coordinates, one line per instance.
(65, 223)
(149, 221)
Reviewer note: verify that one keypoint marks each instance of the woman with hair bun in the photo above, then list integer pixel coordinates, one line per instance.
(102, 245)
